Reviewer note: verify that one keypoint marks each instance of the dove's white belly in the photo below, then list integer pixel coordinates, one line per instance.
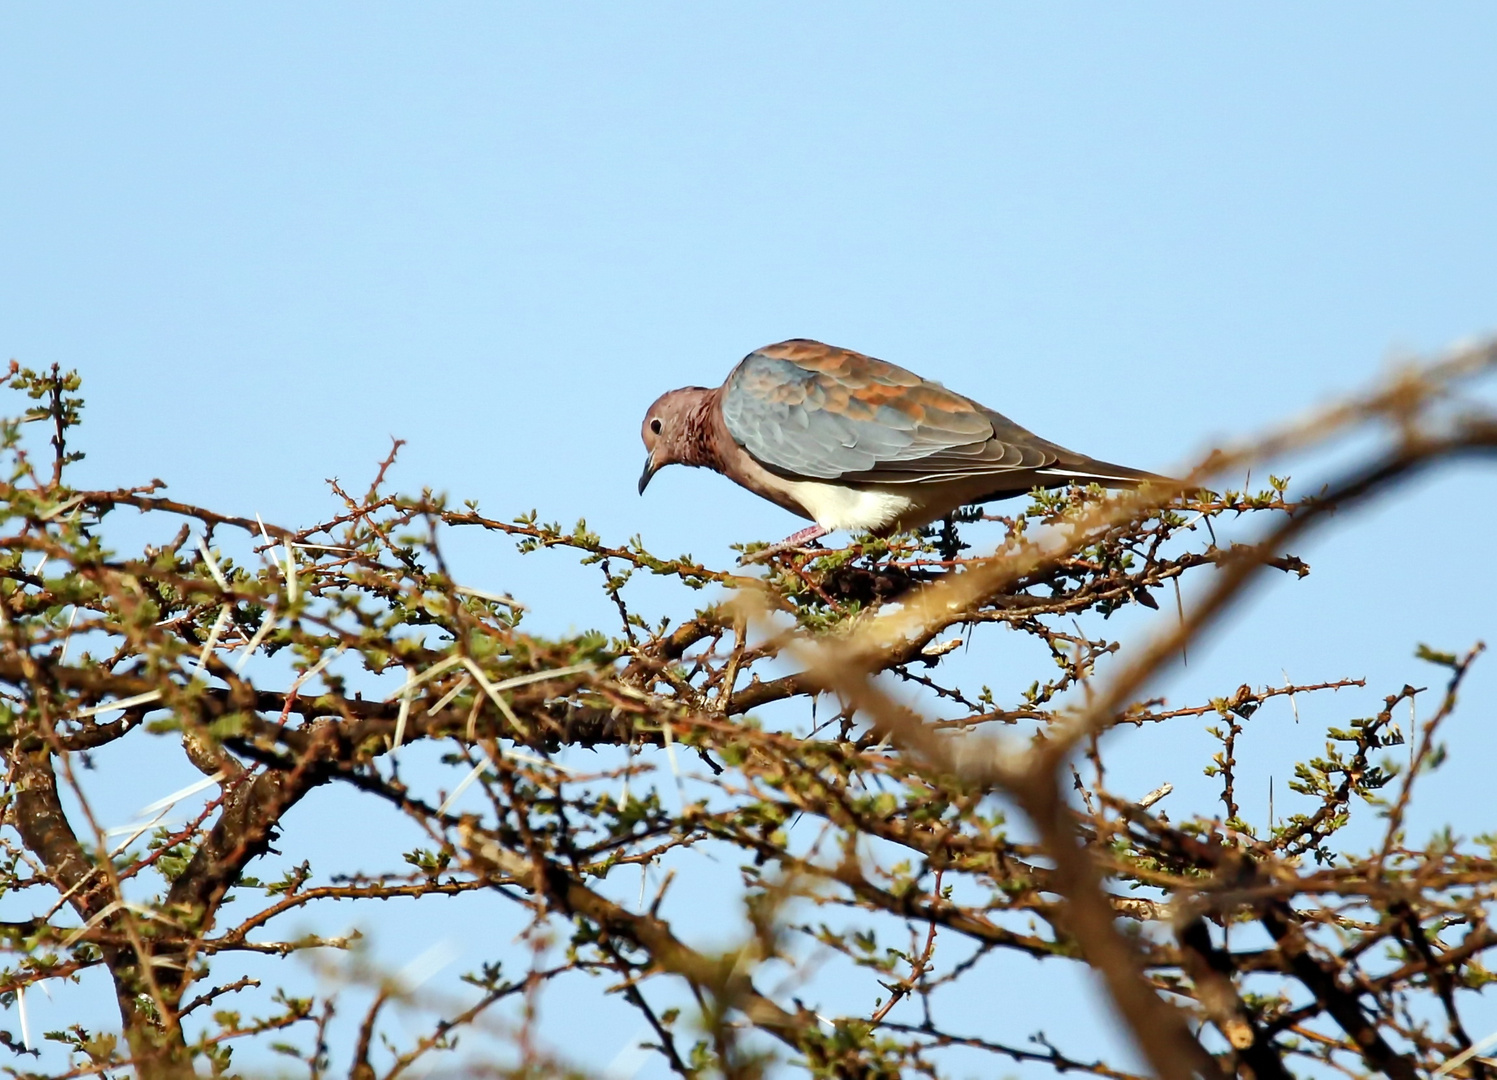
(859, 509)
(875, 508)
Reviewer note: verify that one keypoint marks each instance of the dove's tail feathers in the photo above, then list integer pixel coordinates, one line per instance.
(1091, 471)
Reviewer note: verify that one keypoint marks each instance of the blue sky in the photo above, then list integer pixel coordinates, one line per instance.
(272, 237)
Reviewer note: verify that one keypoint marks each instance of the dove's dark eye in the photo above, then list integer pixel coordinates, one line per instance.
(655, 425)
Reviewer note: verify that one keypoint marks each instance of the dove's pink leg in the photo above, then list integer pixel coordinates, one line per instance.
(805, 536)
(794, 540)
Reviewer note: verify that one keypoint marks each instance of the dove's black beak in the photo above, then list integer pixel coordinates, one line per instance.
(650, 470)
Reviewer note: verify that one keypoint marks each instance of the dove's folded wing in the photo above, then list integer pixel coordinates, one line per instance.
(808, 410)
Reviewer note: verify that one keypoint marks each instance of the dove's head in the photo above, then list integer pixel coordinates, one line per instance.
(674, 431)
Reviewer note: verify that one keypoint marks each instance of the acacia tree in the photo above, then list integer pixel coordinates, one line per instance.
(833, 758)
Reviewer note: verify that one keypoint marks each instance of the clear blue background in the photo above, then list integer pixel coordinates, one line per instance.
(273, 237)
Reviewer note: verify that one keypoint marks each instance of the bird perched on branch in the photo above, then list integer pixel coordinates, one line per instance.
(856, 443)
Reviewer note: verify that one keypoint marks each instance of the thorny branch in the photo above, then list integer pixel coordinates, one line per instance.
(284, 661)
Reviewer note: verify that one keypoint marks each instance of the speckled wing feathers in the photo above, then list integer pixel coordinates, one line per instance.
(810, 410)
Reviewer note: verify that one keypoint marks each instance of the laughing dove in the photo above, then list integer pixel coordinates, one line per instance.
(855, 443)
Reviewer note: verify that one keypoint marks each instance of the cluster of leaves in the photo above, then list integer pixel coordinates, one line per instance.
(864, 827)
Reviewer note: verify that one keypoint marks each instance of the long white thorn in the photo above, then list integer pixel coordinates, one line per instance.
(462, 787)
(67, 638)
(208, 646)
(1466, 1055)
(268, 555)
(25, 1021)
(102, 914)
(493, 695)
(495, 598)
(212, 563)
(405, 711)
(267, 624)
(670, 753)
(290, 572)
(177, 796)
(123, 703)
(423, 967)
(541, 676)
(493, 689)
(533, 759)
(61, 508)
(447, 698)
(415, 680)
(135, 833)
(316, 669)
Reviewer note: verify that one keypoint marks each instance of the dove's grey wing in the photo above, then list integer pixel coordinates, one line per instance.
(813, 411)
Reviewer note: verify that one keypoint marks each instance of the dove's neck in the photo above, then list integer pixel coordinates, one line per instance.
(702, 433)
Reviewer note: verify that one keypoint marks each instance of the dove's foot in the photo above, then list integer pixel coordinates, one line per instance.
(794, 540)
